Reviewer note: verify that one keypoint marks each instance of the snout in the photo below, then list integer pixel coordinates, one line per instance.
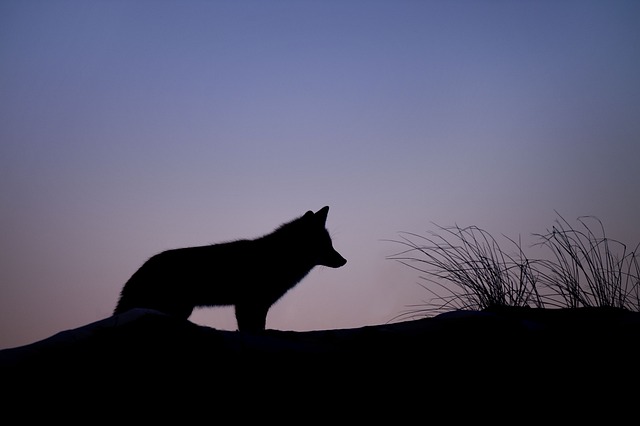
(334, 260)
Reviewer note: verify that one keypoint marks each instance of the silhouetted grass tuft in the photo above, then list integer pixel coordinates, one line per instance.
(588, 268)
(469, 270)
(465, 268)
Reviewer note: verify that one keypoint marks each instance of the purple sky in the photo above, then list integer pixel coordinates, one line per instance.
(131, 127)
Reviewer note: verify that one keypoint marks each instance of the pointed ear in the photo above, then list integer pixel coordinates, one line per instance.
(321, 215)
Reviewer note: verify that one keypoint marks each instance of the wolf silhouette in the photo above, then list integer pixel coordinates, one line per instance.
(250, 274)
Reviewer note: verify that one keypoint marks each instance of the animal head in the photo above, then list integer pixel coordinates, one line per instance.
(321, 244)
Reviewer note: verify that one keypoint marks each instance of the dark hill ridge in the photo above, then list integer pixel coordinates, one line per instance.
(141, 337)
(500, 356)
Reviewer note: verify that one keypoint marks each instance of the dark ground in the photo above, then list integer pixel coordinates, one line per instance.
(512, 357)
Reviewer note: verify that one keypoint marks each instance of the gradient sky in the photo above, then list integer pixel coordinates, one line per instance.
(131, 127)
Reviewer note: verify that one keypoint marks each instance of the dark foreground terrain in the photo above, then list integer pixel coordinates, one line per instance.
(502, 356)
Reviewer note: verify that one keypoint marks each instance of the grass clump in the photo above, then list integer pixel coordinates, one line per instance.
(588, 268)
(466, 268)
